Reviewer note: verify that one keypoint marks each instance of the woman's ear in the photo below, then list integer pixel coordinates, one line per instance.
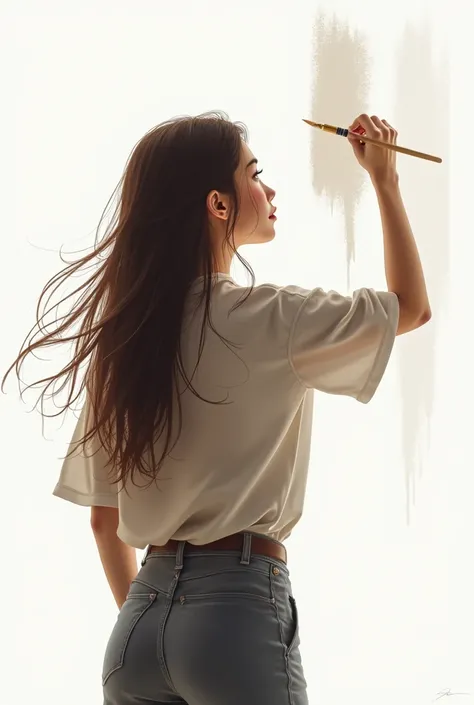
(217, 205)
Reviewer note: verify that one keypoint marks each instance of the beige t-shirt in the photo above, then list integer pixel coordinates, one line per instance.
(242, 466)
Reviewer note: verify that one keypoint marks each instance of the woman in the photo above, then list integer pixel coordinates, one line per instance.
(209, 387)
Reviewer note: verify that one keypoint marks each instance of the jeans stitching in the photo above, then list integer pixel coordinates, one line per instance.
(222, 572)
(286, 650)
(151, 600)
(291, 647)
(161, 633)
(214, 595)
(296, 621)
(149, 586)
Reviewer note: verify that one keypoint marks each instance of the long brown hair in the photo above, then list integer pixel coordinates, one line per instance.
(133, 304)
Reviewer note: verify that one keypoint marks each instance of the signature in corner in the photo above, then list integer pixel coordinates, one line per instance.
(446, 693)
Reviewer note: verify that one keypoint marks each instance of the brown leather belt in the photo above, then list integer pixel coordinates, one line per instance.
(260, 545)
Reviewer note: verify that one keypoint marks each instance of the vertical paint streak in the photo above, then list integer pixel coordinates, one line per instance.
(339, 94)
(422, 113)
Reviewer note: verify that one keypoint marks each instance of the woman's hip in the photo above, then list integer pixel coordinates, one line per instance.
(213, 625)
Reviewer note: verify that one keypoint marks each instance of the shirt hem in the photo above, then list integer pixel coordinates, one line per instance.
(84, 500)
(383, 354)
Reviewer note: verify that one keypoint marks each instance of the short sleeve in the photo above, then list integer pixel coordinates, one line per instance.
(342, 344)
(83, 479)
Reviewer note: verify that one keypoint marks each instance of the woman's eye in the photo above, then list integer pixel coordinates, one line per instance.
(257, 173)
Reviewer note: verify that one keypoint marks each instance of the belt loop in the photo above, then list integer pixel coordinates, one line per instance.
(246, 549)
(145, 555)
(180, 555)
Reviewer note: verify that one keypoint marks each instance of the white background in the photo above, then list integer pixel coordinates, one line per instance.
(382, 560)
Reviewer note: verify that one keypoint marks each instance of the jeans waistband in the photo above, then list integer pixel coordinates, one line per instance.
(246, 542)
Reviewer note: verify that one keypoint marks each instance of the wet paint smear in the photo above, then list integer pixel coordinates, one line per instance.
(339, 93)
(422, 110)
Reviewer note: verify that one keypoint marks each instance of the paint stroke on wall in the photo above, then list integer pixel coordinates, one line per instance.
(339, 94)
(422, 113)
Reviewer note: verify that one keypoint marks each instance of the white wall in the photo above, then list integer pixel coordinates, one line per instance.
(381, 561)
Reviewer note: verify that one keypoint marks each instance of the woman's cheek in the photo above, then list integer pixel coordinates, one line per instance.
(258, 195)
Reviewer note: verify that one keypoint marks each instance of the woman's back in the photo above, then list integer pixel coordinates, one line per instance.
(241, 462)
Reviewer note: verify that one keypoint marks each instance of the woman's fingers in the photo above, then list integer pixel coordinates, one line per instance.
(393, 132)
(369, 127)
(376, 161)
(384, 129)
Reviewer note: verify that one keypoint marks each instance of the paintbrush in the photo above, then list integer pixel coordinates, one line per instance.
(363, 138)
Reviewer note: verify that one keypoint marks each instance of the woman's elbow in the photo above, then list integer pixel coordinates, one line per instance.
(408, 322)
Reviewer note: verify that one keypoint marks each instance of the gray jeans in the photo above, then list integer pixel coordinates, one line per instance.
(206, 628)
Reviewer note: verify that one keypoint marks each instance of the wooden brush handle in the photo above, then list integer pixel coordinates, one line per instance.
(395, 147)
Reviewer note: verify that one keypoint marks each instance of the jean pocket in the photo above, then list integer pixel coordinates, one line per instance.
(289, 623)
(133, 609)
(294, 639)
